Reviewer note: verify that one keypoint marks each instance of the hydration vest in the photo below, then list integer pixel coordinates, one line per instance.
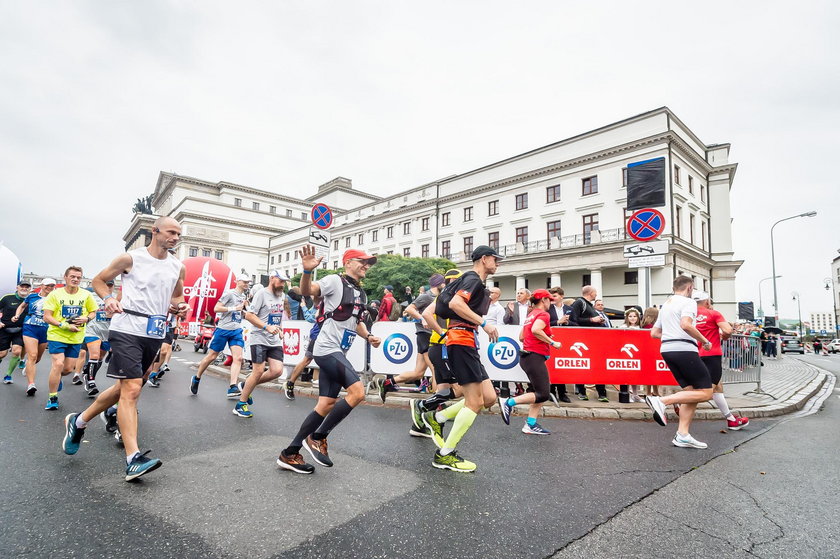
(348, 307)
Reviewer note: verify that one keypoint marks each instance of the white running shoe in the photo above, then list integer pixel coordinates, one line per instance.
(658, 408)
(687, 441)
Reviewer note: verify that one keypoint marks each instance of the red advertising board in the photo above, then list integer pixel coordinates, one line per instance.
(607, 356)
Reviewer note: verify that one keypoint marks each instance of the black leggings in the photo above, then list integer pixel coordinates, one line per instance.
(534, 366)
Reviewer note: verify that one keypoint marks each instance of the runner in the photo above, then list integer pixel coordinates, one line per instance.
(67, 310)
(228, 332)
(11, 331)
(152, 286)
(465, 302)
(310, 346)
(715, 328)
(389, 382)
(536, 344)
(96, 342)
(266, 313)
(675, 327)
(161, 364)
(34, 330)
(342, 307)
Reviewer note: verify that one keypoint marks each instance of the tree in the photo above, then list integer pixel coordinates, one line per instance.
(321, 274)
(144, 205)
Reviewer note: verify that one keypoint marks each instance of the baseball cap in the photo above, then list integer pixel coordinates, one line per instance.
(357, 254)
(48, 281)
(541, 294)
(699, 295)
(389, 287)
(278, 274)
(243, 277)
(453, 273)
(25, 282)
(484, 250)
(436, 280)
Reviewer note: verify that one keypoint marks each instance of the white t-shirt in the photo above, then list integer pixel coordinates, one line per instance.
(495, 314)
(669, 319)
(269, 308)
(335, 335)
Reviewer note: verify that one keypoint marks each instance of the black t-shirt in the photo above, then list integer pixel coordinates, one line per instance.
(8, 306)
(472, 290)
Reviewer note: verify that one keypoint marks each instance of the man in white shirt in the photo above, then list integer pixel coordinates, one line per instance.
(496, 314)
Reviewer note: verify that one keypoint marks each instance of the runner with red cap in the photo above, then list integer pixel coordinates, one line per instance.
(536, 346)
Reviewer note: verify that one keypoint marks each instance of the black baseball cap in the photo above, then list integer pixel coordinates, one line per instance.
(25, 282)
(484, 250)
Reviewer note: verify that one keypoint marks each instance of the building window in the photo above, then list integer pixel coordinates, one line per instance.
(304, 216)
(552, 194)
(407, 228)
(493, 240)
(444, 249)
(631, 277)
(676, 174)
(424, 251)
(374, 235)
(272, 260)
(522, 201)
(287, 257)
(294, 272)
(444, 219)
(361, 239)
(237, 202)
(255, 206)
(347, 242)
(587, 280)
(288, 213)
(624, 178)
(468, 246)
(522, 235)
(590, 185)
(690, 184)
(703, 234)
(193, 251)
(390, 252)
(335, 264)
(678, 221)
(468, 213)
(220, 254)
(702, 192)
(691, 228)
(389, 232)
(335, 244)
(590, 224)
(272, 209)
(553, 228)
(424, 224)
(493, 208)
(205, 252)
(323, 265)
(407, 252)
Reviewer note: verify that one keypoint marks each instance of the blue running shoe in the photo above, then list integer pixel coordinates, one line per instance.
(73, 435)
(194, 384)
(153, 382)
(505, 409)
(233, 392)
(241, 386)
(141, 465)
(8, 379)
(241, 409)
(52, 403)
(22, 364)
(535, 429)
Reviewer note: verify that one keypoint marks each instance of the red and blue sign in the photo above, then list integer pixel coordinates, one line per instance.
(646, 224)
(322, 216)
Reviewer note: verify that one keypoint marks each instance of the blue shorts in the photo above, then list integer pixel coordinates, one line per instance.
(35, 331)
(71, 351)
(106, 346)
(226, 337)
(89, 339)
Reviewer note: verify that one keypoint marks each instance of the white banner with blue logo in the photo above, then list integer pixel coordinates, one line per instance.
(398, 350)
(501, 359)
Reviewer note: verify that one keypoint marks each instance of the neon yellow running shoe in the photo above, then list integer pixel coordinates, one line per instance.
(435, 427)
(452, 462)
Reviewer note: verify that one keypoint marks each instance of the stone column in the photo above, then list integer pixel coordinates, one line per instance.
(520, 282)
(556, 280)
(597, 282)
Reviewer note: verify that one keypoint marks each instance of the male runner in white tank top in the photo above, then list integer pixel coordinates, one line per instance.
(152, 287)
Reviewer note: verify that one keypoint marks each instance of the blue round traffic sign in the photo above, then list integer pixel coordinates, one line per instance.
(322, 216)
(646, 224)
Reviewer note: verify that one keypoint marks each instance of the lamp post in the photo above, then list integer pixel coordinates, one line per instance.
(760, 300)
(773, 259)
(795, 295)
(829, 285)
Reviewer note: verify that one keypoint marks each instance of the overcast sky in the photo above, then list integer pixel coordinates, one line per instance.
(98, 97)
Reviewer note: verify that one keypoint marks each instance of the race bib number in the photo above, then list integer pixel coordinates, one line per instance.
(275, 319)
(71, 311)
(156, 326)
(347, 339)
(101, 316)
(236, 316)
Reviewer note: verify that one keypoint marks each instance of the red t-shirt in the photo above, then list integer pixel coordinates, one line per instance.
(707, 324)
(530, 342)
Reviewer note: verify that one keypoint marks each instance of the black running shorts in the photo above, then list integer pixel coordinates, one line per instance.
(10, 336)
(423, 342)
(260, 353)
(688, 369)
(714, 364)
(169, 337)
(131, 356)
(465, 364)
(443, 375)
(336, 373)
(310, 347)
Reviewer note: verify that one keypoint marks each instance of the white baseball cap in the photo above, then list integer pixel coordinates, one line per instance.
(699, 295)
(48, 281)
(243, 277)
(278, 274)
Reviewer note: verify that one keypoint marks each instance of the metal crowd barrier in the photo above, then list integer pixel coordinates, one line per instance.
(742, 361)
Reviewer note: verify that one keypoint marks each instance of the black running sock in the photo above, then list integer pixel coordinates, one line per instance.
(341, 410)
(312, 421)
(90, 369)
(436, 399)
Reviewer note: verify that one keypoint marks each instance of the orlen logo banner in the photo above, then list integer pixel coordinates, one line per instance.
(607, 356)
(205, 281)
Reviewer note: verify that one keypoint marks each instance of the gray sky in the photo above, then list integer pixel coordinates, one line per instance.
(98, 97)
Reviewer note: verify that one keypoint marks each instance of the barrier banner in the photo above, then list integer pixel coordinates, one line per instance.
(398, 350)
(607, 356)
(501, 359)
(296, 338)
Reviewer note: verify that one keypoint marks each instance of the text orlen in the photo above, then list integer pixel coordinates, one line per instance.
(624, 364)
(571, 363)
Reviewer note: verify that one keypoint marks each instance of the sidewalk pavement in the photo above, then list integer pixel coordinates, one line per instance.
(786, 385)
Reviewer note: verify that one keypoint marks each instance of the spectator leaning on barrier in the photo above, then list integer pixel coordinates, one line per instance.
(584, 314)
(559, 314)
(517, 311)
(648, 320)
(496, 314)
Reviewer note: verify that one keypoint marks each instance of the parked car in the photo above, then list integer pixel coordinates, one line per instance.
(792, 344)
(833, 346)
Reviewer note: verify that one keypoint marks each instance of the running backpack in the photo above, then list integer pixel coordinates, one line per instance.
(348, 306)
(442, 309)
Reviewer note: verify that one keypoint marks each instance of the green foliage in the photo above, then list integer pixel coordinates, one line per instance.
(401, 272)
(321, 274)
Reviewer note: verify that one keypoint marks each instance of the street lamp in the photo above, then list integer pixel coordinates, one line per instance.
(799, 308)
(773, 259)
(829, 286)
(760, 300)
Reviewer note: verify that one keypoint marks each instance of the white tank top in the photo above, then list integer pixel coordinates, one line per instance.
(146, 289)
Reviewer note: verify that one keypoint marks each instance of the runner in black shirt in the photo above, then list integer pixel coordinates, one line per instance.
(11, 331)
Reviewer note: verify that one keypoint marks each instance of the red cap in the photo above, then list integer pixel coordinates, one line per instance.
(360, 254)
(541, 294)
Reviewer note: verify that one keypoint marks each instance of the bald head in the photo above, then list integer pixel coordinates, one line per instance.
(590, 293)
(166, 232)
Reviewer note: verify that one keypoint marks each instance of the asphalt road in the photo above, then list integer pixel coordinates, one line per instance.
(220, 494)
